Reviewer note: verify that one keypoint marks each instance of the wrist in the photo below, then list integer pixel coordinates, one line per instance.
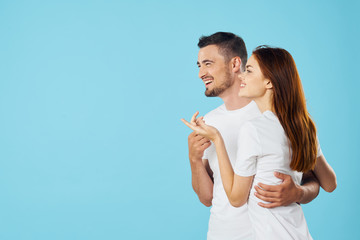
(300, 194)
(195, 159)
(217, 139)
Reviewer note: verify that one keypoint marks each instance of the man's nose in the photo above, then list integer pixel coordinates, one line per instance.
(202, 72)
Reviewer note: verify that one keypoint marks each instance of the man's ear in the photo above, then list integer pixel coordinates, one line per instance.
(236, 64)
(268, 84)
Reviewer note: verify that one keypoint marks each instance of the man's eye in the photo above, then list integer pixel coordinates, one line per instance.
(208, 64)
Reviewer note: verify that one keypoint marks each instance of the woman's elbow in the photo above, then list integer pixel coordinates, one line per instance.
(237, 203)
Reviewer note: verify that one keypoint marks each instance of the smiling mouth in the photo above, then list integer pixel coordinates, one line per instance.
(208, 82)
(242, 85)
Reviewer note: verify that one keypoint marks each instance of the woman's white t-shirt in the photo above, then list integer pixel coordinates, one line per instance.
(263, 148)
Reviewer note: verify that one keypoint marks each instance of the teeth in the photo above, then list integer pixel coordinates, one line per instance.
(242, 85)
(206, 82)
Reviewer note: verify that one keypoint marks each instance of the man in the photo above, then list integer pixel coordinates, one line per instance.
(221, 59)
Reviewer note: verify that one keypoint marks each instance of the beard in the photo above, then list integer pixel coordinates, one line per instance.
(216, 91)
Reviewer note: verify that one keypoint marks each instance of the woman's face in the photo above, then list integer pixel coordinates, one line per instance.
(253, 83)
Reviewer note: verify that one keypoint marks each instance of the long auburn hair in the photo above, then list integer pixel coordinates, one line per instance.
(289, 103)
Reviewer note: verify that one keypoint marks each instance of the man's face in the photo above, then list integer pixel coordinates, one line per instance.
(214, 71)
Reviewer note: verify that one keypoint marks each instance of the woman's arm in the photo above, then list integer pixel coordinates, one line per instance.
(237, 188)
(325, 174)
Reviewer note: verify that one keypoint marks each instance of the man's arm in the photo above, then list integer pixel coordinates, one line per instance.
(201, 173)
(325, 174)
(288, 192)
(310, 186)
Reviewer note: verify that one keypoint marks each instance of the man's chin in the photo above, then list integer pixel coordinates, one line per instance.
(210, 93)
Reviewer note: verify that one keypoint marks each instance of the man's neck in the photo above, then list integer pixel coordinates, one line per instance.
(235, 102)
(231, 98)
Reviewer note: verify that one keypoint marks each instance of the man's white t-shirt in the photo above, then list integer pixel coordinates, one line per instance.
(263, 148)
(227, 222)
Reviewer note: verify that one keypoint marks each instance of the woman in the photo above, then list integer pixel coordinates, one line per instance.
(282, 139)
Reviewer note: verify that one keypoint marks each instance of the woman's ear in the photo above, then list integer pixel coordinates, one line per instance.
(268, 84)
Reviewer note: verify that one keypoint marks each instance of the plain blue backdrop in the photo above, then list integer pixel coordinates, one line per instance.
(91, 96)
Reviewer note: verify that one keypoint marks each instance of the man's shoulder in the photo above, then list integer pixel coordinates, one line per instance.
(247, 112)
(215, 112)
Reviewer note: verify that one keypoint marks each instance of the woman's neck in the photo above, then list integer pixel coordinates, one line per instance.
(265, 102)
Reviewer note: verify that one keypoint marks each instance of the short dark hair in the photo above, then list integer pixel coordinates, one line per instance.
(229, 44)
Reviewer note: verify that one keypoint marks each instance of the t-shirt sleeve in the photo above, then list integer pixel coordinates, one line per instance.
(319, 152)
(248, 150)
(205, 154)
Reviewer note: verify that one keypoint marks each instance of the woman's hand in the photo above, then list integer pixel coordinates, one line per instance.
(199, 126)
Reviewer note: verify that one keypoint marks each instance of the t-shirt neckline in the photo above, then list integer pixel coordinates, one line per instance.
(249, 105)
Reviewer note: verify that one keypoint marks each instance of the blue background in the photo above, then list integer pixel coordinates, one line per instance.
(91, 96)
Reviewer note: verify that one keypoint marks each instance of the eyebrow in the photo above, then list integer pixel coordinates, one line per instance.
(204, 61)
(249, 66)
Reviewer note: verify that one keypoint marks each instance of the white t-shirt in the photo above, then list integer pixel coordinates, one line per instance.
(263, 148)
(227, 222)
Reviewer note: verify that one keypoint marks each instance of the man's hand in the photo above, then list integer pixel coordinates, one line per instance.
(201, 173)
(279, 195)
(197, 145)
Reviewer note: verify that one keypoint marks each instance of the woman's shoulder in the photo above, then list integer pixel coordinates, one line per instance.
(255, 122)
(249, 127)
